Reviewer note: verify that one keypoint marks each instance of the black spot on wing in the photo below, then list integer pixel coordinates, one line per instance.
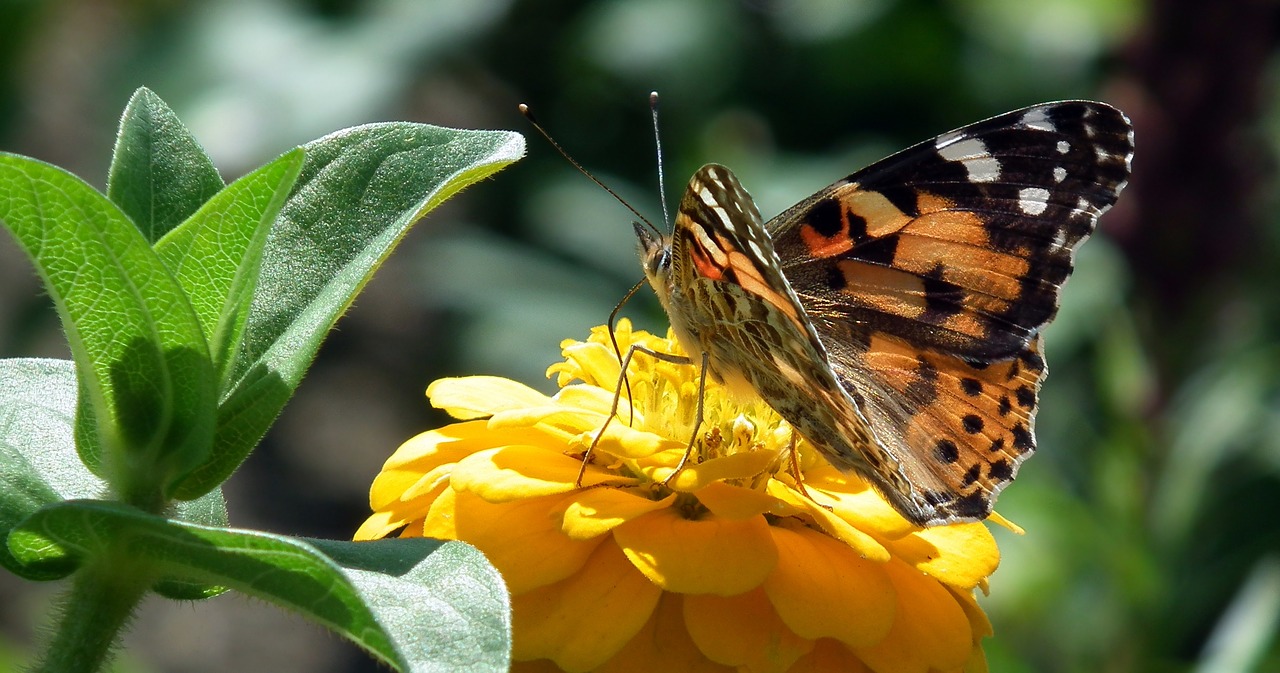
(1022, 439)
(826, 217)
(879, 251)
(942, 298)
(1000, 470)
(1026, 396)
(973, 505)
(946, 451)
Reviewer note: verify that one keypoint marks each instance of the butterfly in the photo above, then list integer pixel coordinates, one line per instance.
(894, 318)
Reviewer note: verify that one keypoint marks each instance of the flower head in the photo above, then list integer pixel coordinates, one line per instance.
(730, 564)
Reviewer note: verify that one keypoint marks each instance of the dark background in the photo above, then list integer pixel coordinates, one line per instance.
(1151, 510)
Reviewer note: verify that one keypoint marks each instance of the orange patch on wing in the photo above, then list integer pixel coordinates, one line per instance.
(886, 290)
(882, 216)
(967, 324)
(705, 266)
(822, 247)
(752, 281)
(958, 226)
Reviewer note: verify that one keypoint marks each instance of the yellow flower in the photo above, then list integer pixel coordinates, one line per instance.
(729, 566)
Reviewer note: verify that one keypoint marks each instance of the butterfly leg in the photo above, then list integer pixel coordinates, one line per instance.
(697, 421)
(617, 400)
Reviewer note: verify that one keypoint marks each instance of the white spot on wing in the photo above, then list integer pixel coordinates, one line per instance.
(1059, 174)
(1037, 119)
(1033, 200)
(1063, 147)
(711, 247)
(710, 199)
(972, 154)
(1059, 238)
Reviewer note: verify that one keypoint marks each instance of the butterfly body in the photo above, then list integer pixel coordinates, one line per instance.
(893, 318)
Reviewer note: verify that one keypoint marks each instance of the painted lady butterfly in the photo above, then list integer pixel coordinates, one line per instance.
(894, 317)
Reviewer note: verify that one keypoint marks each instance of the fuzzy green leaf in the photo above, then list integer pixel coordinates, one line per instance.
(159, 174)
(146, 386)
(359, 191)
(39, 465)
(419, 605)
(215, 254)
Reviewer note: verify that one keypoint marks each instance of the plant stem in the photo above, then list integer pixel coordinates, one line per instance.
(101, 601)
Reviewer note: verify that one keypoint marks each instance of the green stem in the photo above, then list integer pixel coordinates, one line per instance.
(100, 602)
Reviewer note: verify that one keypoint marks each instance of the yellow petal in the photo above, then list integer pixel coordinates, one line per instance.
(743, 631)
(833, 525)
(599, 510)
(516, 472)
(961, 555)
(744, 465)
(555, 415)
(596, 363)
(735, 502)
(709, 556)
(522, 539)
(626, 442)
(823, 589)
(852, 500)
(471, 397)
(830, 656)
(592, 398)
(1012, 527)
(437, 447)
(584, 620)
(441, 516)
(377, 526)
(930, 630)
(978, 621)
(416, 502)
(663, 645)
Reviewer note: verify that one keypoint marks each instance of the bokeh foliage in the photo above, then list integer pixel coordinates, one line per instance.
(1152, 542)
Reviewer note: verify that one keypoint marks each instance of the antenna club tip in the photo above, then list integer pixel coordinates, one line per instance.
(524, 110)
(653, 96)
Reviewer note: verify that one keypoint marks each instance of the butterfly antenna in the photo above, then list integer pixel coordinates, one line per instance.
(657, 142)
(528, 114)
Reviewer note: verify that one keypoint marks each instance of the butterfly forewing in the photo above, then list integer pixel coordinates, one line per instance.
(961, 243)
(894, 317)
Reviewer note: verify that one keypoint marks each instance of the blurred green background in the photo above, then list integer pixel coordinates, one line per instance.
(1151, 509)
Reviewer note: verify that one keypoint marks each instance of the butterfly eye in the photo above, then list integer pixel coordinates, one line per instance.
(659, 260)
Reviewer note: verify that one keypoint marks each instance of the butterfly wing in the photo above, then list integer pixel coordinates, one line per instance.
(929, 275)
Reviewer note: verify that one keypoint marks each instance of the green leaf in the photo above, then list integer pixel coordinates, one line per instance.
(215, 254)
(38, 461)
(159, 174)
(39, 465)
(359, 191)
(146, 387)
(419, 605)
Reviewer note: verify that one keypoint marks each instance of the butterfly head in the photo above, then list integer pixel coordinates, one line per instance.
(655, 258)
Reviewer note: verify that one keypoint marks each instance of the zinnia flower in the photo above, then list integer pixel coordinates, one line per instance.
(730, 565)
